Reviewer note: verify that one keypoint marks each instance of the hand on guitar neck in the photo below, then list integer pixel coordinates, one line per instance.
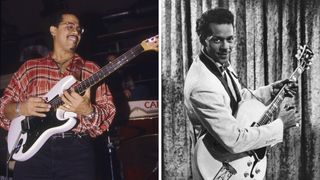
(291, 87)
(287, 114)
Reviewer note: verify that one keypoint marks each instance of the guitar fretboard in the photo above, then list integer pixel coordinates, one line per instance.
(275, 104)
(101, 74)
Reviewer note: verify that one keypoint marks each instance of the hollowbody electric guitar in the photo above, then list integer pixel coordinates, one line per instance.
(214, 165)
(27, 134)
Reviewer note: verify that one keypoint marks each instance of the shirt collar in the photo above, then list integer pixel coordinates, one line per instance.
(221, 67)
(76, 57)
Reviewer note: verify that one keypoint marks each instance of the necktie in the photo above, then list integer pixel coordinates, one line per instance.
(231, 84)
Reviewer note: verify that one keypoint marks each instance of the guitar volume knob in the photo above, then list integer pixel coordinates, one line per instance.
(246, 174)
(249, 163)
(257, 171)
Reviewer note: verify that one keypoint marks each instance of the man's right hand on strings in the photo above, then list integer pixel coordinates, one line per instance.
(34, 106)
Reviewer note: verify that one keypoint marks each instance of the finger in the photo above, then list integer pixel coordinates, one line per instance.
(66, 93)
(288, 95)
(86, 96)
(38, 114)
(41, 109)
(293, 91)
(36, 99)
(290, 92)
(64, 108)
(68, 108)
(66, 98)
(42, 105)
(285, 81)
(71, 95)
(292, 85)
(297, 124)
(290, 108)
(75, 95)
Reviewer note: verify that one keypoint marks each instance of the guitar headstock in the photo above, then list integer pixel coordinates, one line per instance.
(304, 56)
(151, 43)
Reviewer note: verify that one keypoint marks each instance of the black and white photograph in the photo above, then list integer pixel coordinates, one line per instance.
(240, 89)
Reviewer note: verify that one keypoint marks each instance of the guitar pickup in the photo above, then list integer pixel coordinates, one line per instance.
(25, 125)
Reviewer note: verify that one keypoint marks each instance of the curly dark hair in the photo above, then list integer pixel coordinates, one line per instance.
(216, 15)
(56, 18)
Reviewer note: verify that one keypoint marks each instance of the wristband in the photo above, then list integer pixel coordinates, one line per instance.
(91, 115)
(18, 109)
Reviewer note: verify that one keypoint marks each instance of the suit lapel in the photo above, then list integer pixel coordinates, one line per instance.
(214, 69)
(234, 84)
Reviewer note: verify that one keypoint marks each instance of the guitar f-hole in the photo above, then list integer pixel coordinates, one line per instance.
(256, 160)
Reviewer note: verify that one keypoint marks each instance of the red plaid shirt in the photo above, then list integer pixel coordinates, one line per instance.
(36, 77)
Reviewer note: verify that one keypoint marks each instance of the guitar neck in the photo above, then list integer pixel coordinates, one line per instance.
(109, 68)
(101, 74)
(146, 45)
(275, 104)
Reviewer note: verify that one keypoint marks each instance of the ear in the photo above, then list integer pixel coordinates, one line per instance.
(53, 30)
(203, 41)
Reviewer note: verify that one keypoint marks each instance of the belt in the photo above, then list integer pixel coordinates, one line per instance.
(68, 135)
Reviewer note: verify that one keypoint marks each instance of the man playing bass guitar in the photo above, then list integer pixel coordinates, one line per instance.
(70, 154)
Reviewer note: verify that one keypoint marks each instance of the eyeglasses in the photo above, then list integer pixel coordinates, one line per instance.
(71, 27)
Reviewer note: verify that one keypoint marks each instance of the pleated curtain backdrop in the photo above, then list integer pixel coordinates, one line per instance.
(268, 33)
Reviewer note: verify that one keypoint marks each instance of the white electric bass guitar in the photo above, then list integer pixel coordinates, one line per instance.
(27, 134)
(214, 163)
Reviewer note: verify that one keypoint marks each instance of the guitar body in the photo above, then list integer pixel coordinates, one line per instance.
(27, 134)
(208, 157)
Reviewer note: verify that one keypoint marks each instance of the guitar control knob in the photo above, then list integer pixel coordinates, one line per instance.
(257, 171)
(249, 163)
(246, 174)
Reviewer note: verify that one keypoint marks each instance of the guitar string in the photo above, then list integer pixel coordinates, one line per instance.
(109, 68)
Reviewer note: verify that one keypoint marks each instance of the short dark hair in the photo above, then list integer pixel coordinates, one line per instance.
(56, 18)
(216, 15)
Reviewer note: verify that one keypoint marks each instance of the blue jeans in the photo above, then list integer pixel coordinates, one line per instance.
(68, 158)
